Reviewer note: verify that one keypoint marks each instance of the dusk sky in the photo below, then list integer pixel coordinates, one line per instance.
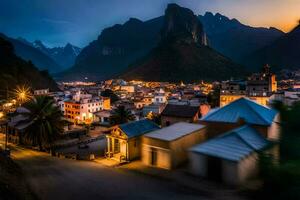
(57, 22)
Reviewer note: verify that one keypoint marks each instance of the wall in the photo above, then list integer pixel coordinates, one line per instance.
(230, 172)
(180, 146)
(163, 156)
(173, 120)
(197, 164)
(134, 148)
(247, 168)
(217, 128)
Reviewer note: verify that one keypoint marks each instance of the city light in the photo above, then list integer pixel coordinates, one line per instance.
(22, 93)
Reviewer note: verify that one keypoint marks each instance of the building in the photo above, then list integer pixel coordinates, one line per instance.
(261, 84)
(124, 141)
(80, 109)
(231, 158)
(179, 113)
(167, 147)
(240, 112)
(259, 87)
(41, 92)
(153, 109)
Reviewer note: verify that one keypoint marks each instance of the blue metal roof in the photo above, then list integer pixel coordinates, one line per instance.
(245, 109)
(233, 145)
(137, 128)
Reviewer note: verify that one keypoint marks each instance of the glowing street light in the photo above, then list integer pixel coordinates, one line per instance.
(22, 93)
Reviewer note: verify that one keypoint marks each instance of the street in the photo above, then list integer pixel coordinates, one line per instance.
(54, 178)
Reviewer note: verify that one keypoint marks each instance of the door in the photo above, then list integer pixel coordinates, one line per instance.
(116, 146)
(153, 156)
(214, 168)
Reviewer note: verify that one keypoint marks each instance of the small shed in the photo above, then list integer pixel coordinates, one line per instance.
(167, 147)
(230, 158)
(124, 141)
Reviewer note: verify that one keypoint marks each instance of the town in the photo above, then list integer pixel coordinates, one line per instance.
(160, 99)
(213, 131)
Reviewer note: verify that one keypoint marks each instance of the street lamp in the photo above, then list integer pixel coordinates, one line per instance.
(22, 93)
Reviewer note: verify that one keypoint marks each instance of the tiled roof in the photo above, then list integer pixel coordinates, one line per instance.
(138, 128)
(233, 145)
(245, 109)
(180, 110)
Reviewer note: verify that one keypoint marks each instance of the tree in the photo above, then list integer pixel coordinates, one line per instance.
(45, 121)
(282, 179)
(121, 115)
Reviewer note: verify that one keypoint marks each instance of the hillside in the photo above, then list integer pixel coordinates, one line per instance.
(234, 39)
(64, 56)
(15, 71)
(281, 54)
(29, 53)
(116, 48)
(182, 54)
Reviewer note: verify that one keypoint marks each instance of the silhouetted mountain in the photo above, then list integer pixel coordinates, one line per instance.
(16, 71)
(116, 48)
(182, 54)
(29, 53)
(281, 54)
(64, 56)
(233, 39)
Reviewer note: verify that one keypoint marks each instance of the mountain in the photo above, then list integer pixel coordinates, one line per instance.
(234, 39)
(16, 71)
(182, 54)
(116, 48)
(280, 54)
(29, 53)
(64, 56)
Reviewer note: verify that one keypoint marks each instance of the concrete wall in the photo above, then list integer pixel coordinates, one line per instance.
(170, 154)
(230, 172)
(173, 120)
(247, 168)
(180, 146)
(197, 164)
(233, 173)
(217, 128)
(274, 129)
(134, 148)
(163, 156)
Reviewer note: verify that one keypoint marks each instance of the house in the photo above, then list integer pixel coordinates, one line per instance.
(231, 158)
(40, 92)
(124, 141)
(240, 112)
(167, 147)
(179, 113)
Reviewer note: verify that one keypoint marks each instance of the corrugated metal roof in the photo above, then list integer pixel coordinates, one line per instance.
(234, 145)
(245, 109)
(137, 128)
(174, 131)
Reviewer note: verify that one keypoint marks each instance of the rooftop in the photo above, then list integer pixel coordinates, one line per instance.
(180, 110)
(245, 109)
(233, 145)
(138, 128)
(174, 131)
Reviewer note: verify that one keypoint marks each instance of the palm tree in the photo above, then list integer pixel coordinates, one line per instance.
(45, 121)
(121, 115)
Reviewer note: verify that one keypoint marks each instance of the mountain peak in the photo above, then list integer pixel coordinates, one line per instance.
(181, 24)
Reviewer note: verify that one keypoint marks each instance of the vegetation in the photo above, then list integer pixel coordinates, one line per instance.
(282, 177)
(45, 121)
(121, 115)
(15, 71)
